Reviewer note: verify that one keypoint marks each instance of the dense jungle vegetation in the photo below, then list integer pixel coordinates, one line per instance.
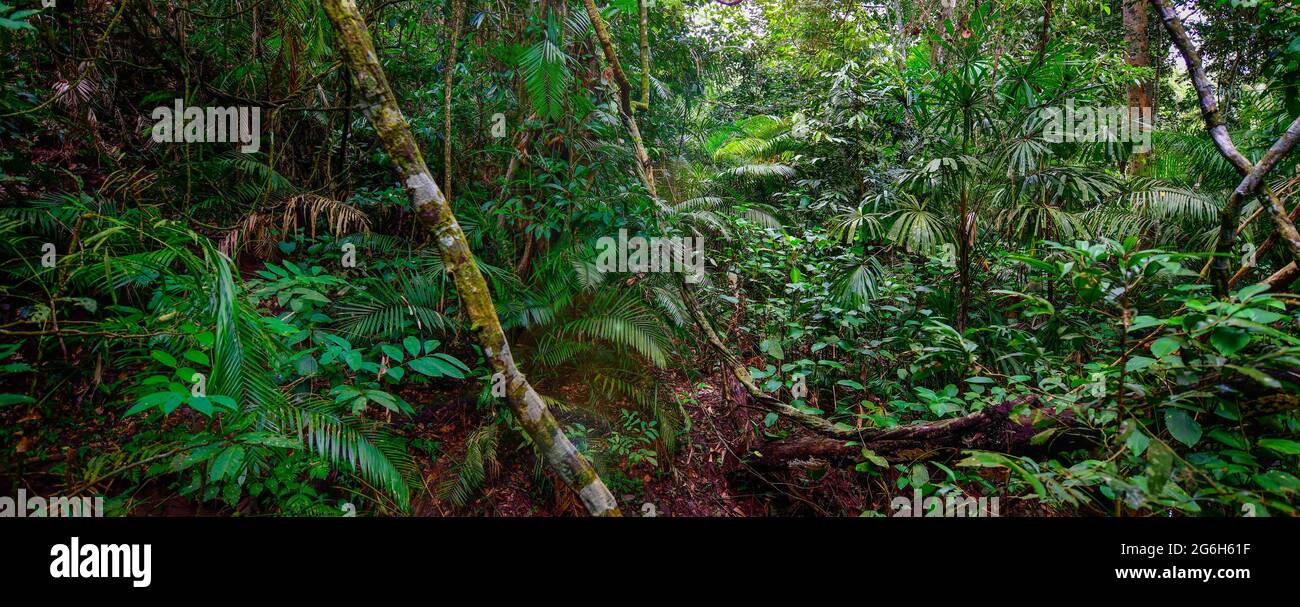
(395, 300)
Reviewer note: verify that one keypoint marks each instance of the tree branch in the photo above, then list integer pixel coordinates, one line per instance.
(1214, 125)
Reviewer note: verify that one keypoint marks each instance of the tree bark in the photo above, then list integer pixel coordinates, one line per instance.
(1214, 125)
(1284, 277)
(1139, 55)
(380, 106)
(644, 104)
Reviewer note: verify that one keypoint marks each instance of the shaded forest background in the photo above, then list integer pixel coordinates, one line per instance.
(908, 291)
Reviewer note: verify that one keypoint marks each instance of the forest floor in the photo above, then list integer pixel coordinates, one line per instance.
(710, 474)
(706, 476)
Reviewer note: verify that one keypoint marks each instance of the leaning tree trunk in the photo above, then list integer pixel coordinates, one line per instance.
(380, 106)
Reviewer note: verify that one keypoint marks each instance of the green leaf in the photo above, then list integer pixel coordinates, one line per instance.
(1164, 346)
(1256, 375)
(393, 352)
(1138, 363)
(200, 404)
(15, 399)
(920, 475)
(312, 295)
(452, 360)
(385, 400)
(1280, 445)
(979, 380)
(15, 25)
(270, 439)
(1229, 340)
(228, 463)
(1182, 426)
(167, 400)
(224, 401)
(1261, 316)
(1136, 440)
(412, 345)
(875, 459)
(1160, 463)
(1043, 437)
(1227, 438)
(988, 459)
(164, 358)
(197, 357)
(434, 367)
(772, 347)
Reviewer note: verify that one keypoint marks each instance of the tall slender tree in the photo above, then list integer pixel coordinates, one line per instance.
(1139, 55)
(380, 106)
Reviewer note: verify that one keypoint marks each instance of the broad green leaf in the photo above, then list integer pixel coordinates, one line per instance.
(1164, 346)
(228, 463)
(412, 345)
(878, 461)
(393, 352)
(1160, 463)
(434, 367)
(197, 357)
(167, 400)
(164, 358)
(1229, 340)
(270, 439)
(15, 399)
(920, 475)
(224, 401)
(1280, 445)
(1227, 438)
(1256, 375)
(1182, 426)
(1138, 363)
(200, 404)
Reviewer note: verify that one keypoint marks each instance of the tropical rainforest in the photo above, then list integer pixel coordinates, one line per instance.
(705, 258)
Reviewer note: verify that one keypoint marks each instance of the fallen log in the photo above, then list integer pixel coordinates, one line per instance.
(1000, 428)
(994, 428)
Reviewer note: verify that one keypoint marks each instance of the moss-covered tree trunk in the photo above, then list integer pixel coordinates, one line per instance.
(380, 106)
